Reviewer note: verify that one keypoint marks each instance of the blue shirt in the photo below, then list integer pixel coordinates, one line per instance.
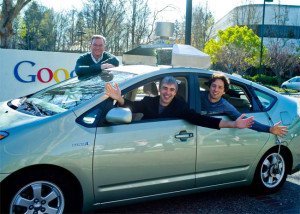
(224, 107)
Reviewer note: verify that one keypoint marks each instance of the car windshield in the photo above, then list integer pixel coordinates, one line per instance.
(66, 95)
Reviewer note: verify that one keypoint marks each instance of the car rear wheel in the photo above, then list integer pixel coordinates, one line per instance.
(39, 194)
(270, 173)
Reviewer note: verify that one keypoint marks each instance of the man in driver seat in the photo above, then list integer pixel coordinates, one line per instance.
(166, 105)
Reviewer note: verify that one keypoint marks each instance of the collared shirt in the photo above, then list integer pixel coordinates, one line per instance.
(94, 59)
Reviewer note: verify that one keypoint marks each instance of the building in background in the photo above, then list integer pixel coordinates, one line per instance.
(282, 22)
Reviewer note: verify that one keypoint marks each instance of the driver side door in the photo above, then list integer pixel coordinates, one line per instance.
(143, 158)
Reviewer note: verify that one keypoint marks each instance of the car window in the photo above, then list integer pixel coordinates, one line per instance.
(96, 115)
(236, 95)
(151, 88)
(68, 94)
(265, 99)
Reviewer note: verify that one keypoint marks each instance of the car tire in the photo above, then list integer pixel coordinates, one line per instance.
(42, 192)
(271, 173)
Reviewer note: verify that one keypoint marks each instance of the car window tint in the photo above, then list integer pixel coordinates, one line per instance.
(265, 99)
(96, 116)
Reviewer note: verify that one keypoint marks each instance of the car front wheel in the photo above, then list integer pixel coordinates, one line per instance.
(270, 173)
(39, 193)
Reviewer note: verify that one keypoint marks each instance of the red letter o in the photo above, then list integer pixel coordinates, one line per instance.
(39, 75)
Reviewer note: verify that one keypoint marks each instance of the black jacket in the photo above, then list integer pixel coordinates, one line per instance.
(178, 108)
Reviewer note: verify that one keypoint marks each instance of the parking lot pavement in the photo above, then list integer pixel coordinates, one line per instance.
(228, 201)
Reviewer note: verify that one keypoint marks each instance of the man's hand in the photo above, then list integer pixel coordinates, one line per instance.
(114, 92)
(244, 123)
(281, 131)
(238, 123)
(106, 65)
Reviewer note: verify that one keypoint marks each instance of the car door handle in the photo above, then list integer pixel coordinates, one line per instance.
(184, 135)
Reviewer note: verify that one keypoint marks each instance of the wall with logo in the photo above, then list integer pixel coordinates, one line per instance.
(23, 72)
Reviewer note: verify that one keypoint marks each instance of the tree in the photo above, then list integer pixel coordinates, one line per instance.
(9, 12)
(250, 15)
(234, 50)
(104, 17)
(282, 62)
(201, 26)
(40, 33)
(140, 13)
(66, 33)
(155, 16)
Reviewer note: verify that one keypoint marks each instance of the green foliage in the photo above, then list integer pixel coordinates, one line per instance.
(22, 29)
(212, 47)
(262, 79)
(39, 28)
(281, 90)
(269, 82)
(234, 49)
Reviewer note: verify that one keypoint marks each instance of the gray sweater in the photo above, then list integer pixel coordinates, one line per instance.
(224, 107)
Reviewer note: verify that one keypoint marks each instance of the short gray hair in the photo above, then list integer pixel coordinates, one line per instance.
(97, 36)
(169, 80)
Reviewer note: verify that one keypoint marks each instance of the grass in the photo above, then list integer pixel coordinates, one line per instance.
(280, 90)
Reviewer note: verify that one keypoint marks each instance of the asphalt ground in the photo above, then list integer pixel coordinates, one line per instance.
(229, 201)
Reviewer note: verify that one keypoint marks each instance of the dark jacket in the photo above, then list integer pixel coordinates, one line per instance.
(86, 66)
(178, 108)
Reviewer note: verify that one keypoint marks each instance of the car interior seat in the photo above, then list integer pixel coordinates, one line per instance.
(242, 105)
(150, 89)
(181, 92)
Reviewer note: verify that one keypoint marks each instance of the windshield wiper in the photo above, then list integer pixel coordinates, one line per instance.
(24, 101)
(35, 108)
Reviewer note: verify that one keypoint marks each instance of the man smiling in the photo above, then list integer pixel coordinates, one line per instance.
(213, 103)
(168, 106)
(98, 59)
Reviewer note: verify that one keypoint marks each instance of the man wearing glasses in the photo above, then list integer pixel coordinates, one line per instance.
(95, 61)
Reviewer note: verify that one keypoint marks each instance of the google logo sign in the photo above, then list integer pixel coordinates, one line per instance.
(43, 75)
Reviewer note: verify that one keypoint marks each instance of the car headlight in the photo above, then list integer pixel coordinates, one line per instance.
(3, 135)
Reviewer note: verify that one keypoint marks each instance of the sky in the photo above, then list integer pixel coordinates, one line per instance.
(219, 8)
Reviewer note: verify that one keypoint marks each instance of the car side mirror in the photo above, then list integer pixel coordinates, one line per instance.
(119, 115)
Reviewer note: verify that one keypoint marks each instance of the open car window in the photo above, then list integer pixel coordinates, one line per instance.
(236, 95)
(151, 88)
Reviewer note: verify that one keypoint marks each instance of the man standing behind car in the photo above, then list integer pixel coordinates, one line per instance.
(95, 61)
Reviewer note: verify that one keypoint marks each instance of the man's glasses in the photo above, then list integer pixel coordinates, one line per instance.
(98, 46)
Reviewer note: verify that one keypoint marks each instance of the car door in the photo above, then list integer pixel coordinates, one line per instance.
(225, 156)
(145, 157)
(297, 84)
(294, 83)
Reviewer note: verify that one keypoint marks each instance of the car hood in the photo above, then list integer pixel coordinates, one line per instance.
(11, 118)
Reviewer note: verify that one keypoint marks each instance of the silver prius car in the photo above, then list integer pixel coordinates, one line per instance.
(69, 148)
(293, 83)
